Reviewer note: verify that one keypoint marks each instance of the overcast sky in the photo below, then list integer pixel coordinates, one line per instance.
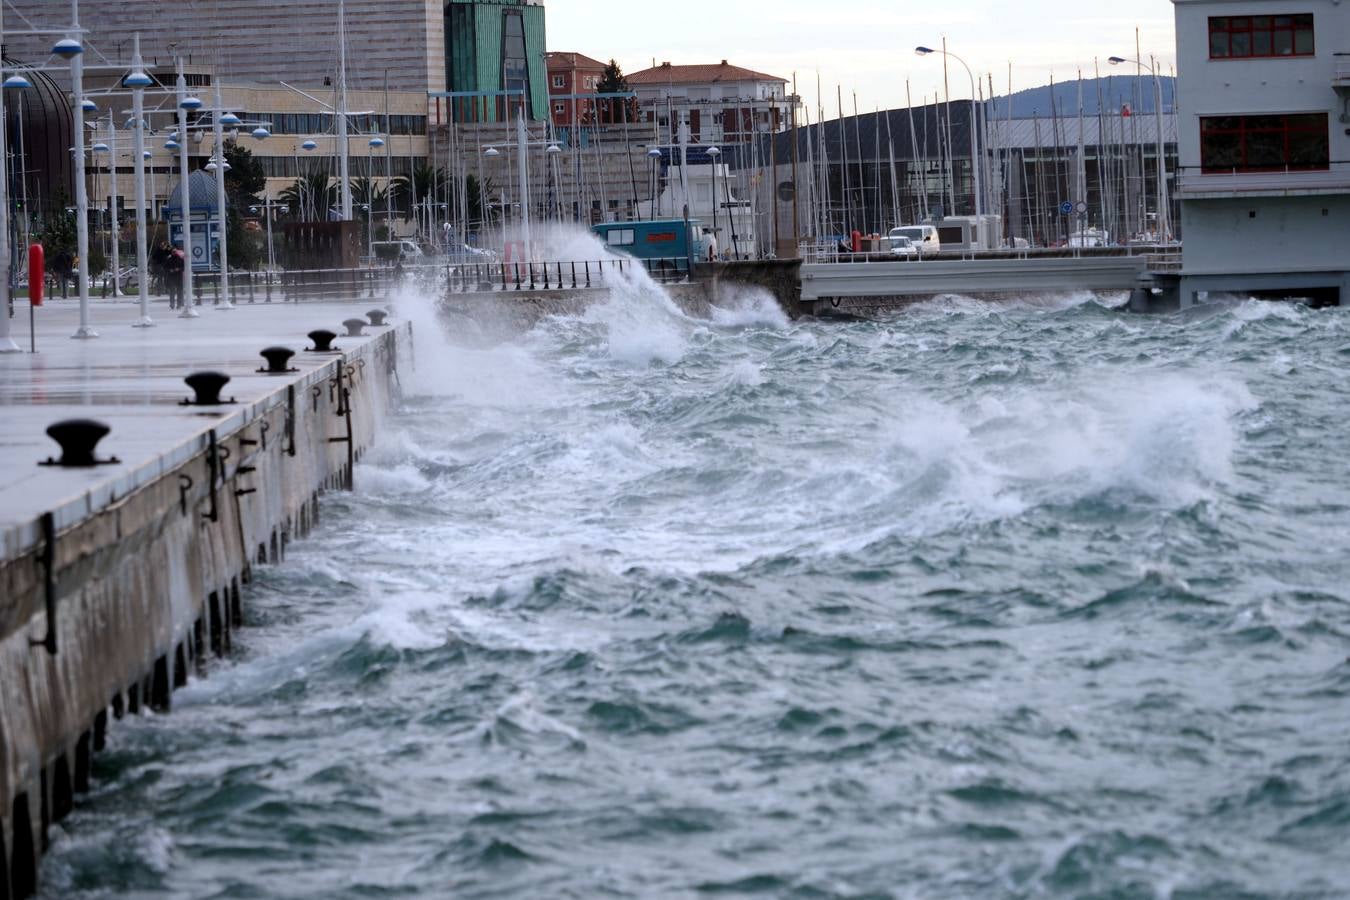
(868, 47)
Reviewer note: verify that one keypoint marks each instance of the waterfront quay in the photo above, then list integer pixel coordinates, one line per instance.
(118, 579)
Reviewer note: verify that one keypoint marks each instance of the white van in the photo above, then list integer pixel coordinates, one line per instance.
(925, 237)
(397, 251)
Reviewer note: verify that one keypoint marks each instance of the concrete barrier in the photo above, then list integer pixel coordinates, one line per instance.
(106, 613)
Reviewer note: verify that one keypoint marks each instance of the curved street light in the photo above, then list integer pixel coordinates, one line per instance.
(974, 128)
(1163, 225)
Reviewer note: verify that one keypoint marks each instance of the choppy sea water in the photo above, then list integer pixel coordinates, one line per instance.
(1034, 599)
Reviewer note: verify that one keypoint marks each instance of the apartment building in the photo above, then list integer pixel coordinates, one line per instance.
(572, 76)
(1264, 144)
(721, 103)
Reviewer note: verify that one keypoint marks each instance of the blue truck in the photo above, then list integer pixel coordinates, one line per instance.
(661, 243)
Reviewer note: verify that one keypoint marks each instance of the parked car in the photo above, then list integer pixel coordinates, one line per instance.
(925, 237)
(903, 247)
(466, 255)
(397, 251)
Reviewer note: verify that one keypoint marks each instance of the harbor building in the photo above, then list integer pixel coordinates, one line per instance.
(401, 41)
(1265, 148)
(897, 167)
(572, 76)
(496, 46)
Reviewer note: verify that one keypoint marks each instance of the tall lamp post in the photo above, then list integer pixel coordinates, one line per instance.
(1164, 223)
(71, 49)
(974, 129)
(15, 81)
(138, 81)
(655, 156)
(715, 153)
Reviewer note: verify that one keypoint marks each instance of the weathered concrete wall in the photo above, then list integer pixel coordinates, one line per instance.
(111, 614)
(780, 277)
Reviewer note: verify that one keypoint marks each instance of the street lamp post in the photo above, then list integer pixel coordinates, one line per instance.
(714, 153)
(70, 48)
(974, 131)
(1163, 224)
(138, 81)
(112, 203)
(655, 156)
(7, 344)
(185, 103)
(218, 146)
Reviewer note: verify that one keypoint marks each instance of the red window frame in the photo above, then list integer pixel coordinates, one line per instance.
(1247, 128)
(1261, 31)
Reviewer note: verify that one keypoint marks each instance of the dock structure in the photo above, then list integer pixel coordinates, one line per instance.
(881, 282)
(118, 579)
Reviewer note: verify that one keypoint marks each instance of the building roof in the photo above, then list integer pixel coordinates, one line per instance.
(576, 60)
(699, 74)
(202, 194)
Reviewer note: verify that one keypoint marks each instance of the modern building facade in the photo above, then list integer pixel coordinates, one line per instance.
(496, 46)
(570, 77)
(1264, 89)
(258, 40)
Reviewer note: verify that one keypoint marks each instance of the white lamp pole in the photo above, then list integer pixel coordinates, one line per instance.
(184, 189)
(715, 153)
(74, 51)
(218, 148)
(343, 173)
(523, 170)
(1163, 224)
(7, 344)
(137, 80)
(975, 159)
(112, 202)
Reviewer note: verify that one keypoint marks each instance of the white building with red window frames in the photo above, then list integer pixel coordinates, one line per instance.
(1264, 143)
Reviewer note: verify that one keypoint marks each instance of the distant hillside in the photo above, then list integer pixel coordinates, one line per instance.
(1116, 91)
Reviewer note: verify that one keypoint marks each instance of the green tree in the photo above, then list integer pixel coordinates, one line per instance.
(56, 230)
(613, 111)
(244, 181)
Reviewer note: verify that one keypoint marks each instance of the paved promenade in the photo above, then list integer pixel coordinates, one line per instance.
(132, 380)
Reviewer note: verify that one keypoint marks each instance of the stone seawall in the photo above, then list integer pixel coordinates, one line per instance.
(107, 613)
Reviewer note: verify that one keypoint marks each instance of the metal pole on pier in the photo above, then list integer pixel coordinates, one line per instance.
(184, 190)
(75, 52)
(7, 344)
(137, 80)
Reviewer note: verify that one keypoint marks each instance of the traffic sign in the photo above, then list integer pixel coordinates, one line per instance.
(1081, 207)
(1066, 208)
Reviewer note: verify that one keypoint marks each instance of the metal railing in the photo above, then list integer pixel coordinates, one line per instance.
(1204, 180)
(821, 255)
(375, 283)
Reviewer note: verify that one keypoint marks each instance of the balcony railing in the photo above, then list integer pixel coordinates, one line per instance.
(1340, 76)
(1273, 182)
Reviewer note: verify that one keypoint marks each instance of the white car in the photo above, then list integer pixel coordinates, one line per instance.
(903, 247)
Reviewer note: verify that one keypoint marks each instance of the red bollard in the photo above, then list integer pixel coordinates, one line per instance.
(857, 241)
(37, 273)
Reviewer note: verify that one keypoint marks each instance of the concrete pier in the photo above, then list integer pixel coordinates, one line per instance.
(117, 580)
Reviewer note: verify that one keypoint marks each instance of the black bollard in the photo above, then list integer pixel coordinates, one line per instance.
(354, 326)
(78, 438)
(207, 387)
(377, 317)
(277, 360)
(323, 341)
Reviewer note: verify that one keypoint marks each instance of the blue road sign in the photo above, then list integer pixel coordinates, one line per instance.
(1066, 208)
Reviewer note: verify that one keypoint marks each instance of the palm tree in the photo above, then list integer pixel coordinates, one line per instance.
(312, 196)
(424, 181)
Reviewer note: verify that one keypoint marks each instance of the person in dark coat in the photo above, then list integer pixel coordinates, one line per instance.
(173, 278)
(62, 265)
(159, 257)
